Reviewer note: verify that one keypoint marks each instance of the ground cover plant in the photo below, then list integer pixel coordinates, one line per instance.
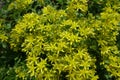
(60, 40)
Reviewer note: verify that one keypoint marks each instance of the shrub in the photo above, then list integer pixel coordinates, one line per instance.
(70, 42)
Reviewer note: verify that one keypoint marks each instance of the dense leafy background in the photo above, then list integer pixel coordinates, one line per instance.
(59, 40)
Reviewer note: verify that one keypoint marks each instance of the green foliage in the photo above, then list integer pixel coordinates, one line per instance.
(60, 40)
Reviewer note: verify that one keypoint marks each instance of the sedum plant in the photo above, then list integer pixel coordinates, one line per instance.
(51, 41)
(71, 42)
